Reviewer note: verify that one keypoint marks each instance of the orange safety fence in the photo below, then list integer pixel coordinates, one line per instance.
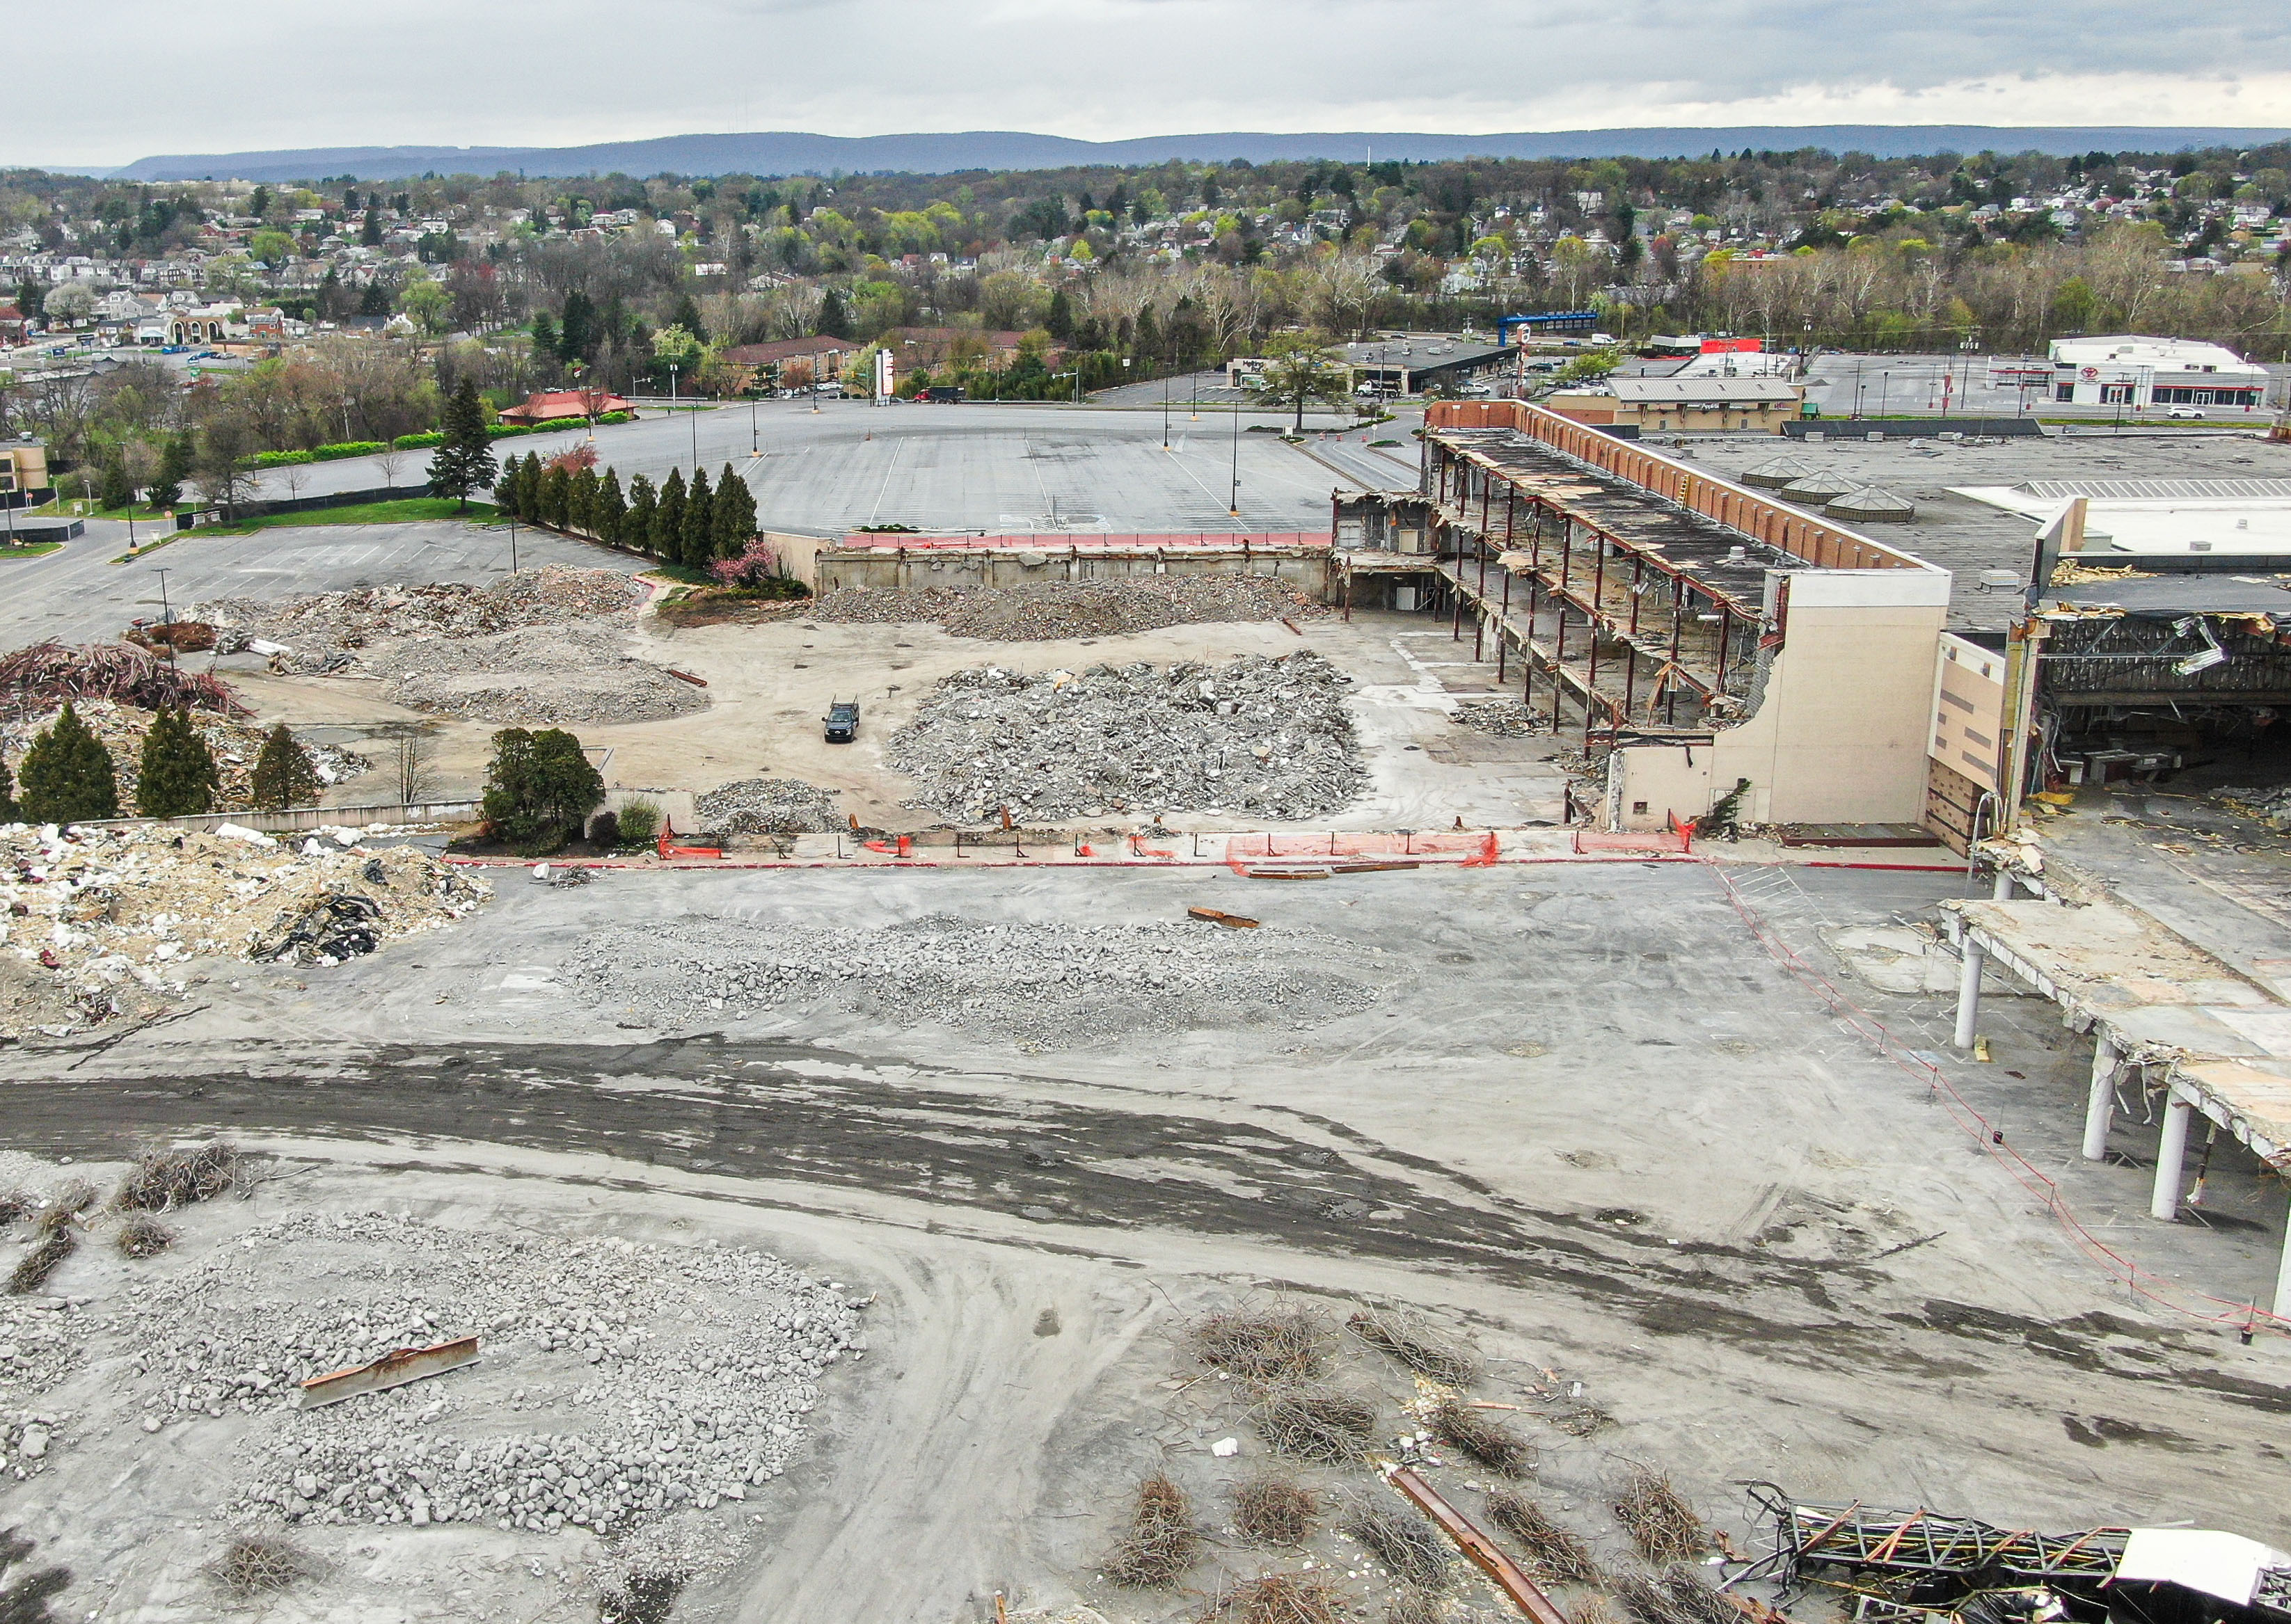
(1628, 840)
(1476, 843)
(668, 834)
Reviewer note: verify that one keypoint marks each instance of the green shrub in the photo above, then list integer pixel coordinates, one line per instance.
(640, 820)
(281, 459)
(346, 448)
(416, 442)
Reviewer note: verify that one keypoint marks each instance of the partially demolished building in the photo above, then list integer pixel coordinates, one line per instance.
(1712, 636)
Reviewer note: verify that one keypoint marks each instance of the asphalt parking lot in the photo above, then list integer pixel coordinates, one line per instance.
(78, 594)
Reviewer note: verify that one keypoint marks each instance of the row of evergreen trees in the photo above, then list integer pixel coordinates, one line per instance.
(693, 523)
(68, 776)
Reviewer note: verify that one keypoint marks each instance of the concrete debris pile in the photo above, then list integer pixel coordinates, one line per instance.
(1504, 719)
(616, 1383)
(43, 1341)
(1269, 738)
(1044, 610)
(768, 805)
(107, 922)
(557, 675)
(315, 624)
(122, 727)
(1037, 985)
(545, 648)
(2271, 805)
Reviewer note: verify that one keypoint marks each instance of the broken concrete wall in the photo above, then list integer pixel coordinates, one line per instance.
(1840, 736)
(1306, 570)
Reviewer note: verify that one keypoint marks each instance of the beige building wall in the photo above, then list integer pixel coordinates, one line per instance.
(1968, 719)
(1841, 733)
(887, 569)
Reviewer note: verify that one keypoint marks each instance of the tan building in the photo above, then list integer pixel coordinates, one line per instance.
(23, 474)
(1684, 405)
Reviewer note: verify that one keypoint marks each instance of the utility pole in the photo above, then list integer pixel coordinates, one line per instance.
(1233, 506)
(166, 613)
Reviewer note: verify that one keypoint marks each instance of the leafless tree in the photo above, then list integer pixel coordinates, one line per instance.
(417, 774)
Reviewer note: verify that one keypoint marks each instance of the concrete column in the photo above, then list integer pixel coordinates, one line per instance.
(2003, 890)
(1968, 989)
(2282, 1304)
(2170, 1157)
(2100, 1104)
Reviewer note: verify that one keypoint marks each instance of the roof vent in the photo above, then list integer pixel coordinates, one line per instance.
(2199, 546)
(1738, 555)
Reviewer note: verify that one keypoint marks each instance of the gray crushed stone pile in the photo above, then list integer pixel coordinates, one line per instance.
(554, 675)
(544, 647)
(1505, 719)
(1048, 609)
(1038, 985)
(617, 1383)
(1263, 738)
(768, 805)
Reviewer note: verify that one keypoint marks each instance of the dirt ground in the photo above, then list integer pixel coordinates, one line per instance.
(1588, 1127)
(770, 683)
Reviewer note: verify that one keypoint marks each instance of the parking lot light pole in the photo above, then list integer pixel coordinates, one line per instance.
(166, 613)
(1232, 507)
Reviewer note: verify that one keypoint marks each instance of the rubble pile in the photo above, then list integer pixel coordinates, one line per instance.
(545, 648)
(1270, 738)
(1044, 610)
(1504, 719)
(768, 805)
(1039, 984)
(314, 625)
(2271, 805)
(616, 1383)
(106, 922)
(121, 728)
(556, 675)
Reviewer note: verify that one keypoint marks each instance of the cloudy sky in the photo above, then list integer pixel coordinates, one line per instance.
(132, 77)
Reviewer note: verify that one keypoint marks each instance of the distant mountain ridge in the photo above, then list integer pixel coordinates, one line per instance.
(792, 153)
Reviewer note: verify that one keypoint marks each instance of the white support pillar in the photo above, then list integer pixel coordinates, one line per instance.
(2171, 1157)
(2100, 1104)
(1968, 989)
(2002, 891)
(2283, 1277)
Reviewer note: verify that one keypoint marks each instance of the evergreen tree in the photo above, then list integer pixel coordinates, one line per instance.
(115, 492)
(1146, 340)
(68, 774)
(735, 514)
(556, 497)
(641, 528)
(528, 485)
(465, 458)
(284, 776)
(686, 316)
(834, 320)
(370, 233)
(612, 512)
(174, 467)
(667, 518)
(699, 521)
(581, 500)
(1060, 323)
(545, 339)
(578, 333)
(178, 775)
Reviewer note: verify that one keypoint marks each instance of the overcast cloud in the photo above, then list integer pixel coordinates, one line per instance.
(120, 79)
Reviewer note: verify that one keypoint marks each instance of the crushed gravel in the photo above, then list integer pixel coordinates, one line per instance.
(1050, 609)
(1038, 985)
(769, 806)
(617, 1383)
(1269, 737)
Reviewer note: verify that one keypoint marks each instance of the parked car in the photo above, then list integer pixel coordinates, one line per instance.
(2185, 412)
